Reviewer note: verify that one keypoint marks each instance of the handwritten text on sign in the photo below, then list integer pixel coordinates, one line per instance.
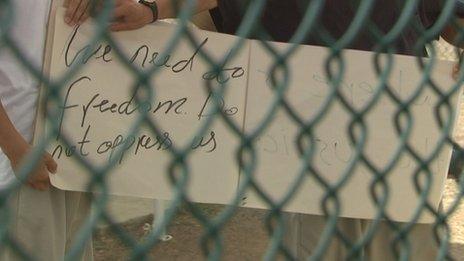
(104, 100)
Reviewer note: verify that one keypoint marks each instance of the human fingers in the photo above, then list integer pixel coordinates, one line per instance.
(122, 26)
(84, 17)
(33, 185)
(131, 16)
(40, 179)
(120, 2)
(81, 12)
(42, 186)
(93, 8)
(119, 13)
(85, 12)
(72, 6)
(455, 73)
(50, 163)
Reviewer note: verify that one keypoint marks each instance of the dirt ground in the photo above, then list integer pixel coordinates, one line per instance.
(245, 237)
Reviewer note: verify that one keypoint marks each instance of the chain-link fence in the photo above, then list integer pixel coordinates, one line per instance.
(246, 153)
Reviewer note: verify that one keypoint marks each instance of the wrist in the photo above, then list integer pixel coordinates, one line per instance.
(14, 147)
(152, 14)
(147, 16)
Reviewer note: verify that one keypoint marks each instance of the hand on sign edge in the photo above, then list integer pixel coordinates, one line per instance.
(39, 178)
(130, 15)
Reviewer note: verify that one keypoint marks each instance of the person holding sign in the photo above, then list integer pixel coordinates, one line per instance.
(281, 19)
(43, 220)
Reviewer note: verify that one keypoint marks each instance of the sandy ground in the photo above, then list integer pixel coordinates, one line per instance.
(123, 209)
(244, 237)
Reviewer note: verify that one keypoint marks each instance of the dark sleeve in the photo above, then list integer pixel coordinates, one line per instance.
(429, 10)
(230, 15)
(217, 19)
(280, 18)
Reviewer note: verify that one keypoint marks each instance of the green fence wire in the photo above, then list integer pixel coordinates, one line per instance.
(178, 171)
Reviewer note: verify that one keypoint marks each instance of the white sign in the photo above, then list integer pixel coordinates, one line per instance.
(100, 104)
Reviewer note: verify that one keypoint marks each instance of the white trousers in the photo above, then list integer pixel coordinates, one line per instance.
(46, 223)
(304, 233)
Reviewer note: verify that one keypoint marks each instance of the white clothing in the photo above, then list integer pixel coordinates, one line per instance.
(303, 236)
(46, 224)
(18, 88)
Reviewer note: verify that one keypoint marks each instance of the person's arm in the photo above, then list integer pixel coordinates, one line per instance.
(429, 10)
(129, 14)
(166, 9)
(16, 149)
